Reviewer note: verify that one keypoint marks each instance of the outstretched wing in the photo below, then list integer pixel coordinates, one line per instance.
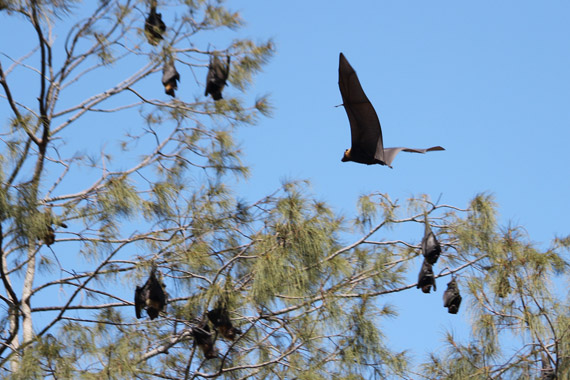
(390, 153)
(365, 127)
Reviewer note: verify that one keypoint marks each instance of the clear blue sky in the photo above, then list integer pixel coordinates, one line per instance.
(489, 81)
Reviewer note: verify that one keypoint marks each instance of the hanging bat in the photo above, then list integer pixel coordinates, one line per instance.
(49, 237)
(367, 145)
(221, 321)
(430, 246)
(451, 297)
(426, 279)
(150, 296)
(203, 339)
(169, 77)
(154, 27)
(217, 76)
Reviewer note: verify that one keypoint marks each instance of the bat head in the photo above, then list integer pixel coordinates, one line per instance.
(426, 288)
(346, 156)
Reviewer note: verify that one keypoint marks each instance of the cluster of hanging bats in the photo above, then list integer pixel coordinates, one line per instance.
(366, 148)
(218, 72)
(152, 298)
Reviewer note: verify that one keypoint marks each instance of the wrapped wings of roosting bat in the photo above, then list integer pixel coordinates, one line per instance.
(426, 278)
(367, 145)
(217, 77)
(170, 77)
(430, 246)
(221, 321)
(154, 27)
(203, 339)
(150, 296)
(451, 297)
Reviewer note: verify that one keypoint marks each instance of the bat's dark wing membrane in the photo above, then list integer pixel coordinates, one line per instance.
(140, 301)
(217, 77)
(170, 77)
(452, 297)
(448, 296)
(390, 153)
(365, 127)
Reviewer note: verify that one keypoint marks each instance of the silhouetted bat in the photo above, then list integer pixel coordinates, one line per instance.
(154, 26)
(430, 246)
(367, 146)
(217, 77)
(221, 321)
(426, 279)
(169, 77)
(150, 296)
(49, 237)
(203, 338)
(451, 297)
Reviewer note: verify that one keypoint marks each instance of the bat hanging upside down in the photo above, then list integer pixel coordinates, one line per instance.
(426, 279)
(451, 297)
(221, 321)
(170, 77)
(154, 27)
(430, 246)
(150, 296)
(217, 77)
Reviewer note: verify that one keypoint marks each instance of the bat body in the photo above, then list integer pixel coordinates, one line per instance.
(221, 321)
(217, 77)
(367, 146)
(49, 237)
(154, 27)
(203, 339)
(451, 297)
(430, 246)
(170, 77)
(426, 279)
(150, 296)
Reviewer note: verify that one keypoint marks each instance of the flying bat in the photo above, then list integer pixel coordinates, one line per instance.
(217, 77)
(203, 339)
(169, 77)
(221, 321)
(430, 246)
(154, 27)
(426, 279)
(150, 296)
(451, 297)
(367, 145)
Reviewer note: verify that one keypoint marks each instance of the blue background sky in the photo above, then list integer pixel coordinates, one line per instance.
(489, 81)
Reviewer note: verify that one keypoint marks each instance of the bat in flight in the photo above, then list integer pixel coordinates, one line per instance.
(150, 296)
(154, 27)
(221, 321)
(217, 77)
(451, 297)
(430, 246)
(426, 279)
(170, 77)
(367, 146)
